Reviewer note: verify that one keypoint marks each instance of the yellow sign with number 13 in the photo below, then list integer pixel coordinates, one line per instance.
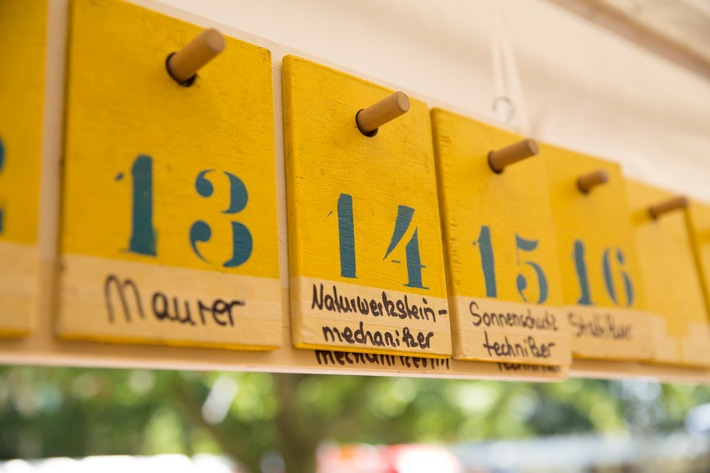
(169, 230)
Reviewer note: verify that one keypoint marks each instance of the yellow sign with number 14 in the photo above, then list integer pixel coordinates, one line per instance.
(367, 269)
(169, 230)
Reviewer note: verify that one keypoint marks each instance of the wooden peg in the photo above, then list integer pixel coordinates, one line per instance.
(184, 64)
(368, 120)
(668, 206)
(587, 182)
(504, 157)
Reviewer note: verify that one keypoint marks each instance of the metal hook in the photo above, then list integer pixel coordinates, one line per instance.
(510, 104)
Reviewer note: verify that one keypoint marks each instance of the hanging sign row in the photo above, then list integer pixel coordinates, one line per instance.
(410, 232)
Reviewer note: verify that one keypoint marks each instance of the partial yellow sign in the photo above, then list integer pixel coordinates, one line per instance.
(169, 223)
(601, 280)
(23, 44)
(503, 274)
(699, 229)
(671, 282)
(366, 259)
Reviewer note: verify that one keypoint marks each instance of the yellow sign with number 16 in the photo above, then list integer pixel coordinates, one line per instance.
(601, 280)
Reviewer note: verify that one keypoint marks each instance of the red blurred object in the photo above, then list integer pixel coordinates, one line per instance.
(363, 458)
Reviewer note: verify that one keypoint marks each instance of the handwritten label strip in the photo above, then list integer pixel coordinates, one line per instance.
(137, 302)
(515, 332)
(367, 319)
(617, 329)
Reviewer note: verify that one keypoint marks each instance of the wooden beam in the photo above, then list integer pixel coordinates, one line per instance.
(643, 33)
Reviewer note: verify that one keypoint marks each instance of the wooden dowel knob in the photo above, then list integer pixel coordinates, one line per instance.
(668, 206)
(587, 182)
(184, 64)
(502, 158)
(371, 118)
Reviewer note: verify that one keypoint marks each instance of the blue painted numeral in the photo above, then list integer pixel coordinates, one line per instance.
(143, 239)
(346, 236)
(521, 282)
(609, 257)
(143, 236)
(403, 222)
(581, 267)
(485, 249)
(608, 278)
(200, 232)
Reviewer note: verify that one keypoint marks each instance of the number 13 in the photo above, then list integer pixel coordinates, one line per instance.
(143, 238)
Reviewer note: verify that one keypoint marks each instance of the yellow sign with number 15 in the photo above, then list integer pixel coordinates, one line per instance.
(503, 274)
(23, 41)
(169, 230)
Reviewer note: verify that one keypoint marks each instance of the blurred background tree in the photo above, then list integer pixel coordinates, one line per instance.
(47, 412)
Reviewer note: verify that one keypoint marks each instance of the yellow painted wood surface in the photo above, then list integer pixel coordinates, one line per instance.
(504, 281)
(601, 280)
(344, 187)
(698, 220)
(164, 185)
(671, 280)
(23, 42)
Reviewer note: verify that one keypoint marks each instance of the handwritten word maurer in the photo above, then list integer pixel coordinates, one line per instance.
(164, 308)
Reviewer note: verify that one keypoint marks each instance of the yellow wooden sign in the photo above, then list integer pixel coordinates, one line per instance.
(698, 219)
(366, 259)
(23, 41)
(502, 258)
(600, 275)
(672, 286)
(169, 225)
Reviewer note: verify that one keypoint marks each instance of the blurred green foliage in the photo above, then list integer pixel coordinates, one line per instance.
(76, 412)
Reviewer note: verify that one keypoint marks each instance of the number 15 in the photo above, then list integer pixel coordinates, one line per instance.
(485, 249)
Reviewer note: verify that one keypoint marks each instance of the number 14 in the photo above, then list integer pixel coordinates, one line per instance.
(346, 237)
